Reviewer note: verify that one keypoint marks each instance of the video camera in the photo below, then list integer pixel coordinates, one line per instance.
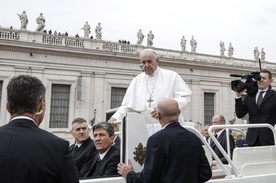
(250, 83)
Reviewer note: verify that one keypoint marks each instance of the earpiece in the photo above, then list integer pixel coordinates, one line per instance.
(40, 112)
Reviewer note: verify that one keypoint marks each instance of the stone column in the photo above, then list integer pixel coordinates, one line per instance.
(98, 95)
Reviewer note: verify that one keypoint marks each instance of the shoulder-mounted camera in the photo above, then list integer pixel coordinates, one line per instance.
(250, 83)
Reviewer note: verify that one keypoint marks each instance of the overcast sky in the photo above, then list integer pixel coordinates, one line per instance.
(245, 23)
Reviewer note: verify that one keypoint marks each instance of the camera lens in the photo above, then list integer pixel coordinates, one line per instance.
(238, 85)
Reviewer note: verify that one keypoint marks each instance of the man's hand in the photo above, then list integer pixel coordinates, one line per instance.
(154, 113)
(214, 164)
(239, 94)
(124, 169)
(111, 120)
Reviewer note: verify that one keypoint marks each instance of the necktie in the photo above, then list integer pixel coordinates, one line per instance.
(75, 149)
(212, 142)
(260, 98)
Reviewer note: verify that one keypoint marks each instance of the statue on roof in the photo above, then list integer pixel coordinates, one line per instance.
(150, 38)
(140, 37)
(24, 20)
(98, 31)
(193, 44)
(86, 28)
(40, 20)
(183, 43)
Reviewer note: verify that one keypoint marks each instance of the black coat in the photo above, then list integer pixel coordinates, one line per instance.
(266, 114)
(223, 142)
(30, 154)
(84, 156)
(117, 142)
(107, 166)
(173, 155)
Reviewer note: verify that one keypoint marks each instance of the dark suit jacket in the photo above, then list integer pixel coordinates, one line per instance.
(266, 114)
(83, 156)
(222, 140)
(30, 154)
(107, 166)
(173, 155)
(117, 142)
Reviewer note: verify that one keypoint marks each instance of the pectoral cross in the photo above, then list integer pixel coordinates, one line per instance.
(150, 100)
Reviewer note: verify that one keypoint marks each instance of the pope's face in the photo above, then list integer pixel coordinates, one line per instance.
(149, 62)
(264, 82)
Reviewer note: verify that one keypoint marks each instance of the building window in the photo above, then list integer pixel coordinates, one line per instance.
(117, 95)
(59, 112)
(1, 85)
(209, 107)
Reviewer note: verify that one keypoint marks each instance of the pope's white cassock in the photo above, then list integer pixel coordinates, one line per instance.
(145, 91)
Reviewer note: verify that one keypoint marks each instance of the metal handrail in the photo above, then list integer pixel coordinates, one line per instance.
(213, 127)
(209, 148)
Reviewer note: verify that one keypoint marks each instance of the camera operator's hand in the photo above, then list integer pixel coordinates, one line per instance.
(239, 94)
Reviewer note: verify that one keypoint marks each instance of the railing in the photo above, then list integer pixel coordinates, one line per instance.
(227, 173)
(227, 156)
(55, 40)
(74, 42)
(11, 34)
(119, 47)
(70, 41)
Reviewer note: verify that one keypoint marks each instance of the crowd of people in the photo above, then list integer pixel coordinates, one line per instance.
(173, 153)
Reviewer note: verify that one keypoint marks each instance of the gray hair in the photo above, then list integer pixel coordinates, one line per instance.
(108, 127)
(78, 121)
(24, 92)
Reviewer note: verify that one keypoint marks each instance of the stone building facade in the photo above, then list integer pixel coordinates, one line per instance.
(87, 77)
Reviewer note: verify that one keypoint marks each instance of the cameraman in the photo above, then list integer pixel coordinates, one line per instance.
(265, 113)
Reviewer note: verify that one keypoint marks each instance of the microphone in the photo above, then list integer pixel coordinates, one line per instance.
(236, 75)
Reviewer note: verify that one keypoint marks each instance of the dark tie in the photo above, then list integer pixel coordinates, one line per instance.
(260, 98)
(216, 135)
(75, 149)
(212, 142)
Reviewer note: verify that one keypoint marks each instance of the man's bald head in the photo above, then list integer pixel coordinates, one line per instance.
(168, 111)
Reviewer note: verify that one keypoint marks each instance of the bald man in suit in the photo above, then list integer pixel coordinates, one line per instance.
(173, 154)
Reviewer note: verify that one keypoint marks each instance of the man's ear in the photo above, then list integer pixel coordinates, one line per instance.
(157, 60)
(112, 138)
(158, 115)
(41, 105)
(8, 107)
